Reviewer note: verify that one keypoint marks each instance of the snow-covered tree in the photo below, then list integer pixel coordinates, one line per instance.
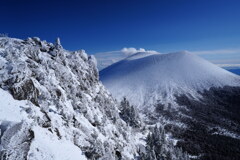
(158, 148)
(129, 114)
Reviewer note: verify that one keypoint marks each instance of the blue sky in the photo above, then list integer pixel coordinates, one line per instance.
(106, 25)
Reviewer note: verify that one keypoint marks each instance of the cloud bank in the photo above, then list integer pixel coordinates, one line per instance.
(223, 51)
(223, 58)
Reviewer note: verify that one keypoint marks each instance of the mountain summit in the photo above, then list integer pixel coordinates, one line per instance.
(145, 77)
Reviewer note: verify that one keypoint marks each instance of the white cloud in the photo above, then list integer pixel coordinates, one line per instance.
(223, 51)
(222, 61)
(234, 63)
(228, 61)
(130, 51)
(229, 65)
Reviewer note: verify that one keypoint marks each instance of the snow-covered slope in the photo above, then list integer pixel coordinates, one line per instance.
(147, 78)
(52, 106)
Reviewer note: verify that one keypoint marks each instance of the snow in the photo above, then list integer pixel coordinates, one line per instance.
(11, 109)
(48, 147)
(225, 132)
(145, 78)
(93, 60)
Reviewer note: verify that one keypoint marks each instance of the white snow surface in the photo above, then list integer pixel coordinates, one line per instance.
(46, 146)
(144, 79)
(11, 109)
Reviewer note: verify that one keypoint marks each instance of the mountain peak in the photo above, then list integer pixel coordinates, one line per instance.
(163, 75)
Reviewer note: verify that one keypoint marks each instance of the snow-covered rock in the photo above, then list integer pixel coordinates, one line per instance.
(54, 107)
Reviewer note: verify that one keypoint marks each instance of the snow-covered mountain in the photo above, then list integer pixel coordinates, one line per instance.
(197, 101)
(146, 77)
(52, 106)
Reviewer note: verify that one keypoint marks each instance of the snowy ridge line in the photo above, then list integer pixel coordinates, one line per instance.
(56, 108)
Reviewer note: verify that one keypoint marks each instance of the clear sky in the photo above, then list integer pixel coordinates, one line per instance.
(106, 25)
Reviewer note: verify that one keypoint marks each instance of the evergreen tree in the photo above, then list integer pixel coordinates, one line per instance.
(158, 148)
(129, 114)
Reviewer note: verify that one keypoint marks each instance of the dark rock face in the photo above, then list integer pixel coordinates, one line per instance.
(213, 130)
(26, 91)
